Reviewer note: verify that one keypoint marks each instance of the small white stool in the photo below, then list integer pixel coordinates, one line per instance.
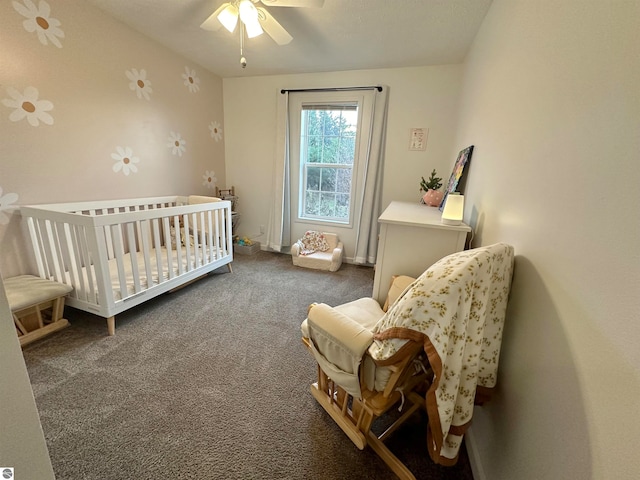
(37, 306)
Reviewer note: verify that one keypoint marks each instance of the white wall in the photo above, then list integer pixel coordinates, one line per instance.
(423, 97)
(551, 100)
(22, 443)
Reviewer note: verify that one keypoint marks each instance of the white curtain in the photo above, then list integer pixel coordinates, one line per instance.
(367, 238)
(279, 226)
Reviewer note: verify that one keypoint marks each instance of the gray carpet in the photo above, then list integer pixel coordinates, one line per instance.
(209, 382)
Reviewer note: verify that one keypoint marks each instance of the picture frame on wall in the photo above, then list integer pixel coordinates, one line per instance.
(458, 177)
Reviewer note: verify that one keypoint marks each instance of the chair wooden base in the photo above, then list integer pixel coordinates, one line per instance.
(355, 416)
(37, 321)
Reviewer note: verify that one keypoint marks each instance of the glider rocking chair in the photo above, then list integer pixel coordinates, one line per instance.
(435, 345)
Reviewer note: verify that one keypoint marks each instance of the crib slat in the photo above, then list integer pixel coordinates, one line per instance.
(88, 264)
(80, 289)
(167, 243)
(210, 235)
(158, 249)
(187, 242)
(179, 259)
(116, 234)
(46, 249)
(196, 250)
(55, 258)
(72, 268)
(144, 228)
(217, 226)
(133, 256)
(34, 234)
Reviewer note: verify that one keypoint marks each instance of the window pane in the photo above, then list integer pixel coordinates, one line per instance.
(312, 203)
(343, 180)
(347, 150)
(327, 204)
(314, 122)
(342, 206)
(314, 149)
(328, 182)
(331, 148)
(313, 178)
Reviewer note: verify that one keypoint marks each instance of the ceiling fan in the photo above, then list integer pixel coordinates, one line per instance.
(255, 19)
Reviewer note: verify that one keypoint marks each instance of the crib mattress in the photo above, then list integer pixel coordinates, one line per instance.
(84, 291)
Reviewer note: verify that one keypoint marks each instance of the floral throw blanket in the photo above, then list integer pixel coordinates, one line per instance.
(312, 241)
(457, 309)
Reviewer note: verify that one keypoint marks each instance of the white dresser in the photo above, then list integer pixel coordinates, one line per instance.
(412, 238)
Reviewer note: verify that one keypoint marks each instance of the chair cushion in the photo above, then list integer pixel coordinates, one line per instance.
(366, 311)
(27, 290)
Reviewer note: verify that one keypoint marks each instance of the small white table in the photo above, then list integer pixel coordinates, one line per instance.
(412, 238)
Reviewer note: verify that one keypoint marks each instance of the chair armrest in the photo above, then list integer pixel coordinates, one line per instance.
(337, 252)
(338, 344)
(340, 339)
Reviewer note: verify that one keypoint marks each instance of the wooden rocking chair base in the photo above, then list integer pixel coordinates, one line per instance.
(355, 416)
(359, 429)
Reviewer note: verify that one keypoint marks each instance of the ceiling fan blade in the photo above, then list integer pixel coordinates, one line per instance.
(273, 28)
(293, 3)
(212, 24)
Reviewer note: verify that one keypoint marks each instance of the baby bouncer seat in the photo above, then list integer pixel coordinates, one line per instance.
(435, 347)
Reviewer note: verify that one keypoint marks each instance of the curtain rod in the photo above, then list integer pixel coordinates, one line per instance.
(336, 89)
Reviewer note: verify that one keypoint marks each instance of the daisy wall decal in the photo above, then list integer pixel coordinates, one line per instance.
(125, 160)
(209, 178)
(190, 80)
(139, 83)
(39, 21)
(177, 144)
(26, 105)
(216, 131)
(5, 203)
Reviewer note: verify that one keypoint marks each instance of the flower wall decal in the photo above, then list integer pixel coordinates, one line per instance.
(39, 21)
(216, 131)
(26, 105)
(5, 203)
(125, 160)
(190, 80)
(209, 178)
(177, 144)
(139, 83)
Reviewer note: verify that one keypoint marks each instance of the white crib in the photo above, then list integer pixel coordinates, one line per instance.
(119, 253)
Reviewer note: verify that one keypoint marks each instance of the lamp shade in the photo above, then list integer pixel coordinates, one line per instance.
(229, 17)
(249, 16)
(453, 209)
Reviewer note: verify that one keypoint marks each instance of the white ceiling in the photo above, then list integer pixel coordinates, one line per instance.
(341, 35)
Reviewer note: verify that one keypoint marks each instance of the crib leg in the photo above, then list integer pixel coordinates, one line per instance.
(229, 267)
(111, 325)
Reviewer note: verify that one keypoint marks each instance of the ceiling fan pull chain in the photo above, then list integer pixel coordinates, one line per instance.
(243, 61)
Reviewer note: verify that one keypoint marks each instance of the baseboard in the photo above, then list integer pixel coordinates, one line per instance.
(474, 455)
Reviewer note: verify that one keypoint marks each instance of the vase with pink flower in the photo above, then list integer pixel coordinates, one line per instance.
(433, 195)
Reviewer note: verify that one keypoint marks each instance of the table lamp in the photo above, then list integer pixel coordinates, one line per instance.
(453, 209)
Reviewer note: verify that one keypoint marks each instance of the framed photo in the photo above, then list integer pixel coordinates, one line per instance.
(418, 138)
(458, 179)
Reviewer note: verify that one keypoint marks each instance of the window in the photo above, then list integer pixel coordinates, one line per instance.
(329, 134)
(327, 152)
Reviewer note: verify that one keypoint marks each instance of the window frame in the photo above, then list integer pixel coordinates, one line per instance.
(298, 179)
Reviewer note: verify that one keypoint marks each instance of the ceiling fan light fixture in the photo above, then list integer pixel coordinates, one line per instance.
(249, 16)
(253, 29)
(229, 17)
